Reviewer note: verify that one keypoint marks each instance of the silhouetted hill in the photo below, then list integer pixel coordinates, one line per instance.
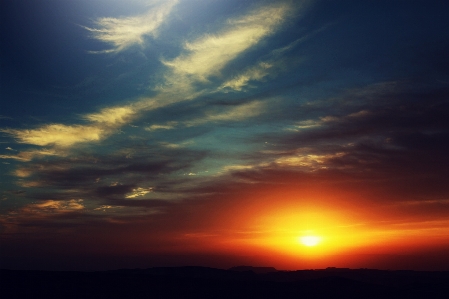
(258, 270)
(202, 282)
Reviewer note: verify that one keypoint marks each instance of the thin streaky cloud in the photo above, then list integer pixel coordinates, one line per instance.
(14, 157)
(125, 32)
(26, 156)
(207, 55)
(234, 114)
(267, 67)
(257, 73)
(112, 116)
(239, 113)
(102, 124)
(166, 126)
(57, 134)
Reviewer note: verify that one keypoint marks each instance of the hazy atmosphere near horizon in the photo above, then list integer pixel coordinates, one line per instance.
(292, 134)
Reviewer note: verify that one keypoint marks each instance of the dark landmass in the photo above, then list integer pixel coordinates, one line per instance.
(258, 270)
(237, 282)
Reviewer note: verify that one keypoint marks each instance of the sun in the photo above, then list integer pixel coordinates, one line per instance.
(310, 241)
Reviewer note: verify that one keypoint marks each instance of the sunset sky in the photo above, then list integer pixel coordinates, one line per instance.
(292, 134)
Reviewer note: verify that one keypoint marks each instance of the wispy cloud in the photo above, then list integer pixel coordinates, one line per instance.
(13, 157)
(61, 135)
(238, 113)
(257, 72)
(112, 116)
(167, 126)
(125, 32)
(207, 55)
(57, 134)
(59, 206)
(29, 155)
(271, 66)
(234, 114)
(37, 212)
(307, 161)
(137, 192)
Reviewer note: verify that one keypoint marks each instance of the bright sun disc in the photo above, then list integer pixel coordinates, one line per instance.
(310, 240)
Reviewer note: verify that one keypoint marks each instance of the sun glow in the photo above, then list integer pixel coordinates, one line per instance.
(308, 231)
(310, 241)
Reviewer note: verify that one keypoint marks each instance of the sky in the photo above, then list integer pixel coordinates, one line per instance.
(293, 134)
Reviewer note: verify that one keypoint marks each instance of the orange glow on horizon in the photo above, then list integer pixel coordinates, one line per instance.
(303, 231)
(326, 232)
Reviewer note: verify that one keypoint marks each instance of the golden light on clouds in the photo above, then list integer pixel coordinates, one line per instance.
(210, 53)
(57, 134)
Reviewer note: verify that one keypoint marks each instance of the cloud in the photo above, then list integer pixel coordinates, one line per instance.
(234, 114)
(175, 145)
(125, 32)
(209, 54)
(112, 116)
(29, 155)
(110, 177)
(206, 56)
(137, 192)
(13, 157)
(102, 124)
(57, 134)
(257, 72)
(59, 206)
(30, 216)
(269, 67)
(307, 161)
(167, 126)
(238, 113)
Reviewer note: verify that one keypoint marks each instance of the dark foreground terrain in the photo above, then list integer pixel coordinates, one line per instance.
(238, 282)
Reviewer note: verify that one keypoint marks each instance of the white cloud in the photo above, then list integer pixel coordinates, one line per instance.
(125, 32)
